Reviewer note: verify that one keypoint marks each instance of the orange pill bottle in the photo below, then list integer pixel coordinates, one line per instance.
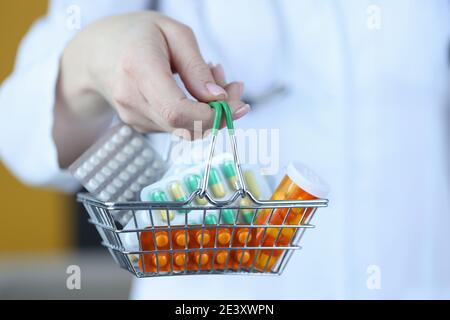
(299, 183)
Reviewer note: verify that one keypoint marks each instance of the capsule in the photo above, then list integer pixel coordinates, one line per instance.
(215, 184)
(252, 184)
(229, 172)
(206, 237)
(177, 191)
(160, 196)
(247, 214)
(201, 259)
(228, 216)
(210, 219)
(243, 236)
(179, 259)
(162, 239)
(223, 237)
(244, 255)
(162, 260)
(193, 183)
(181, 238)
(221, 257)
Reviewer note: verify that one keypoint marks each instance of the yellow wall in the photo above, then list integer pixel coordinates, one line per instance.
(30, 219)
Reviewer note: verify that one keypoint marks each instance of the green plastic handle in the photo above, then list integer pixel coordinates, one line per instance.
(219, 106)
(228, 116)
(216, 105)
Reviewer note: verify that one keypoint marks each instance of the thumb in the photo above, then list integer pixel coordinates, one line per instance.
(188, 62)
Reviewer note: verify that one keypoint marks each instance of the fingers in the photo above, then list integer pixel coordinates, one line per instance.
(235, 90)
(188, 62)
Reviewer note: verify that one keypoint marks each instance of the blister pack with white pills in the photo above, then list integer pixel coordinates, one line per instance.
(118, 165)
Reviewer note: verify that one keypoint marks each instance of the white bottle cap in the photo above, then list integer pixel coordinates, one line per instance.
(307, 180)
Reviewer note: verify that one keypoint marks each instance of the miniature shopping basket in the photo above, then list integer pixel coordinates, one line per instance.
(253, 256)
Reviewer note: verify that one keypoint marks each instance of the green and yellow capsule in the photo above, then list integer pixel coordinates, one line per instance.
(160, 196)
(252, 184)
(246, 213)
(229, 172)
(178, 194)
(210, 219)
(215, 184)
(193, 183)
(228, 216)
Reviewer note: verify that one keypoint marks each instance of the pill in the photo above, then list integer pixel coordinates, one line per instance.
(117, 138)
(135, 187)
(94, 160)
(229, 172)
(221, 257)
(176, 189)
(106, 171)
(100, 178)
(109, 146)
(179, 258)
(139, 161)
(206, 237)
(117, 183)
(243, 236)
(210, 219)
(128, 150)
(80, 173)
(193, 183)
(87, 166)
(180, 238)
(160, 196)
(246, 213)
(104, 195)
(244, 255)
(161, 239)
(113, 165)
(128, 195)
(111, 189)
(252, 184)
(162, 260)
(136, 142)
(124, 176)
(102, 153)
(121, 157)
(228, 216)
(92, 184)
(125, 131)
(215, 185)
(132, 168)
(167, 213)
(223, 236)
(201, 259)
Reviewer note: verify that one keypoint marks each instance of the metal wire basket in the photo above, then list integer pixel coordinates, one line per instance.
(276, 256)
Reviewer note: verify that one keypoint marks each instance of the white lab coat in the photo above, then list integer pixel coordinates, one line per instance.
(366, 109)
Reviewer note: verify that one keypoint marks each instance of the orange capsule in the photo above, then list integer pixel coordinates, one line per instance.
(162, 239)
(202, 237)
(201, 259)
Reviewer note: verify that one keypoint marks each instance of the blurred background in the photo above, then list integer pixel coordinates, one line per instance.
(44, 232)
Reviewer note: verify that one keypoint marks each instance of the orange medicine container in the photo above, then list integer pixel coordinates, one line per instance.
(299, 183)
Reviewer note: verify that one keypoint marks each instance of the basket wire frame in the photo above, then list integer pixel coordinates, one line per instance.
(102, 216)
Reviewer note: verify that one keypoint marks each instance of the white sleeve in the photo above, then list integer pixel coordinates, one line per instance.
(27, 96)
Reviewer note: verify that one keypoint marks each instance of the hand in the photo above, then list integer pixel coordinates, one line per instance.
(128, 62)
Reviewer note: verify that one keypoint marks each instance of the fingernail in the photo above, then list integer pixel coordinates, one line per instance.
(242, 111)
(215, 90)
